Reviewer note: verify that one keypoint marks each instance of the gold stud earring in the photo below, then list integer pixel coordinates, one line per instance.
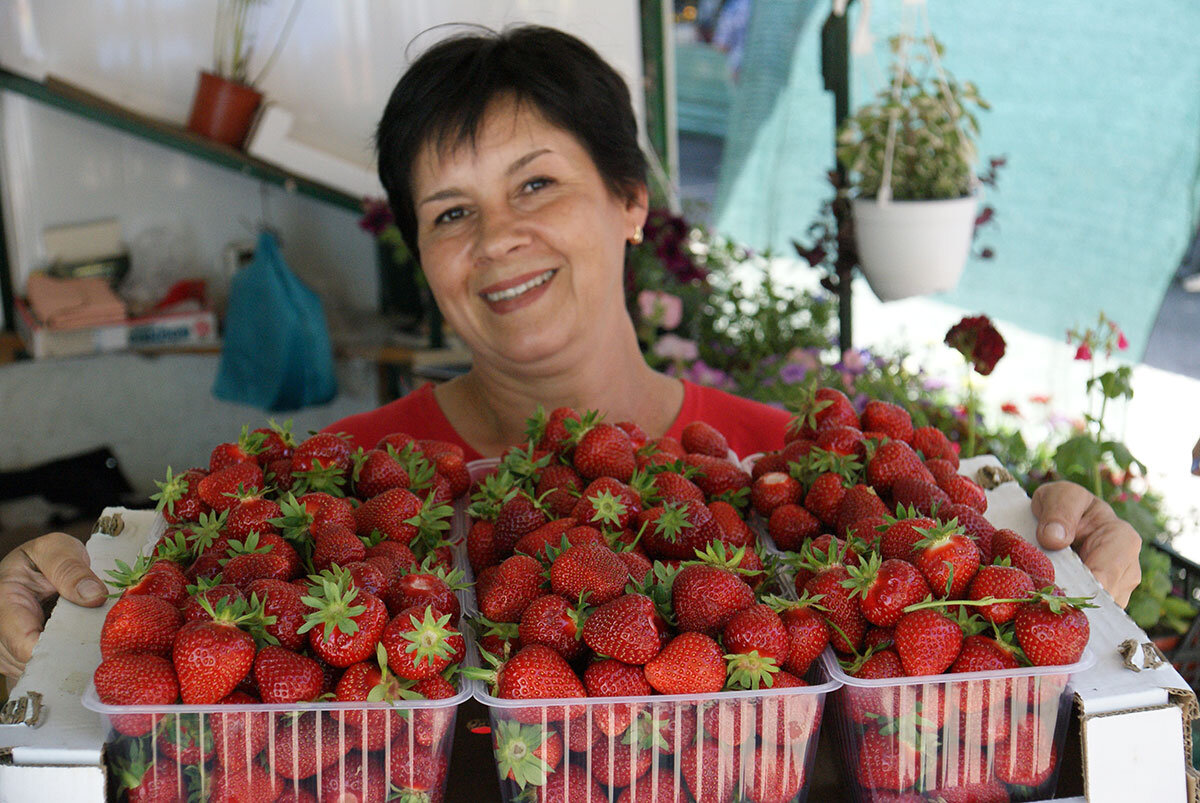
(637, 237)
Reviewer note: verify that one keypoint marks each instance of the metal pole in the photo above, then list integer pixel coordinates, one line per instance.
(835, 69)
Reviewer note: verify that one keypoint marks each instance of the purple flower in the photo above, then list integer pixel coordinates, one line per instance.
(809, 359)
(673, 347)
(662, 309)
(703, 374)
(793, 373)
(854, 361)
(377, 216)
(934, 383)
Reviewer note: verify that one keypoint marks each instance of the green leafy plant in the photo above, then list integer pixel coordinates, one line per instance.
(921, 128)
(236, 36)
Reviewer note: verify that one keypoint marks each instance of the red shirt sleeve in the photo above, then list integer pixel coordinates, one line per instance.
(749, 426)
(418, 414)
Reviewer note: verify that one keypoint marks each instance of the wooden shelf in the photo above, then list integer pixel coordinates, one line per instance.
(78, 101)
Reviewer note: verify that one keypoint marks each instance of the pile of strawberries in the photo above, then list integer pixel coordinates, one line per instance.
(612, 565)
(891, 544)
(291, 573)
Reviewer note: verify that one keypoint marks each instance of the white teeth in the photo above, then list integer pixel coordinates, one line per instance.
(524, 287)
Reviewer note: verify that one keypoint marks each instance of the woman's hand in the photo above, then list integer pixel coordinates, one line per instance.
(1069, 514)
(53, 564)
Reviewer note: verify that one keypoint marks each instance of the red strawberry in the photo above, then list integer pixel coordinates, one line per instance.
(419, 642)
(927, 642)
(719, 477)
(252, 513)
(821, 407)
(1024, 555)
(699, 437)
(842, 612)
(1052, 632)
(417, 773)
(285, 602)
(551, 621)
(965, 491)
(607, 502)
(772, 490)
(249, 784)
(1000, 582)
(149, 577)
(238, 736)
(934, 445)
(519, 516)
(244, 450)
(136, 679)
(178, 498)
(690, 663)
(757, 628)
(707, 770)
(379, 470)
(278, 474)
(481, 545)
(884, 588)
(557, 487)
(824, 496)
(303, 745)
(453, 467)
(335, 543)
(1030, 754)
(550, 535)
(941, 468)
(428, 587)
(553, 436)
(219, 489)
(361, 777)
(537, 671)
(768, 462)
(213, 657)
(840, 440)
(389, 513)
(806, 631)
(148, 781)
(588, 569)
(790, 526)
(627, 628)
(571, 783)
(283, 676)
(735, 532)
(705, 597)
(887, 763)
(890, 419)
(346, 622)
(363, 681)
(301, 514)
(671, 486)
(948, 559)
(859, 502)
(140, 624)
(323, 450)
(260, 556)
(518, 582)
(892, 460)
(923, 496)
(616, 764)
(677, 530)
(605, 450)
(775, 776)
(977, 528)
(983, 654)
(635, 433)
(526, 753)
(900, 538)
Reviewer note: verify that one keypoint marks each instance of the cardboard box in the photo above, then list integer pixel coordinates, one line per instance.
(149, 332)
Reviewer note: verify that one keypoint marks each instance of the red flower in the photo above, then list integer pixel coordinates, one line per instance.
(1122, 343)
(1010, 408)
(1040, 399)
(1084, 352)
(377, 216)
(978, 341)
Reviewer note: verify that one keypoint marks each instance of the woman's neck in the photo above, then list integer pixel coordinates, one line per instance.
(490, 404)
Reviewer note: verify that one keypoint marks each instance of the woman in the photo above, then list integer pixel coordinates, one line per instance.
(512, 166)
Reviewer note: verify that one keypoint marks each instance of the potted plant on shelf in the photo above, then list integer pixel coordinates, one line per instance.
(226, 97)
(910, 156)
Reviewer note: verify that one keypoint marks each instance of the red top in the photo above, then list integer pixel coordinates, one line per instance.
(749, 426)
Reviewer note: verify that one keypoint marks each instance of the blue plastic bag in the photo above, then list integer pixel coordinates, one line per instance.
(276, 353)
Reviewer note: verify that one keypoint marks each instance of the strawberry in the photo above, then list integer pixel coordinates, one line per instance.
(211, 591)
(550, 535)
(178, 498)
(536, 671)
(627, 628)
(677, 530)
(758, 629)
(668, 446)
(934, 445)
(1000, 582)
(885, 588)
(901, 536)
(558, 487)
(526, 753)
(588, 569)
(927, 642)
(699, 437)
(335, 543)
(618, 765)
(840, 440)
(892, 460)
(283, 602)
(283, 676)
(1051, 631)
(518, 516)
(708, 775)
(278, 442)
(419, 642)
(846, 621)
(650, 787)
(345, 622)
(379, 470)
(140, 624)
(806, 632)
(135, 679)
(671, 486)
(1029, 756)
(211, 658)
(481, 545)
(251, 513)
(790, 526)
(219, 489)
(873, 705)
(982, 654)
(965, 491)
(259, 556)
(416, 773)
(772, 490)
(553, 435)
(391, 513)
(825, 496)
(735, 532)
(518, 582)
(635, 433)
(302, 744)
(941, 468)
(859, 502)
(551, 621)
(705, 596)
(886, 763)
(301, 514)
(399, 554)
(149, 577)
(238, 736)
(426, 586)
(718, 477)
(453, 467)
(605, 450)
(947, 559)
(371, 681)
(977, 528)
(607, 502)
(609, 677)
(1024, 555)
(887, 418)
(690, 663)
(818, 407)
(768, 462)
(925, 497)
(248, 784)
(360, 777)
(323, 450)
(146, 780)
(244, 450)
(774, 776)
(572, 782)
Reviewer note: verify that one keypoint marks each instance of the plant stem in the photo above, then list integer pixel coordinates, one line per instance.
(970, 414)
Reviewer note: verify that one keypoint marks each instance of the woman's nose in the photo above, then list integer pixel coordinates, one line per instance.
(500, 232)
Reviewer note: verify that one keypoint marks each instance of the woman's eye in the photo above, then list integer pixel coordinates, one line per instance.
(449, 215)
(535, 184)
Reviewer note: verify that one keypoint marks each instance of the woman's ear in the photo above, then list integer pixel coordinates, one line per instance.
(637, 205)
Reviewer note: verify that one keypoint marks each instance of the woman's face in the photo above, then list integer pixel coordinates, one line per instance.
(520, 239)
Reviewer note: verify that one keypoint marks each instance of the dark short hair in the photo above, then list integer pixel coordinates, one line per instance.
(442, 97)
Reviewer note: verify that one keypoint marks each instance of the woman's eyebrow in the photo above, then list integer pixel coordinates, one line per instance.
(526, 159)
(454, 192)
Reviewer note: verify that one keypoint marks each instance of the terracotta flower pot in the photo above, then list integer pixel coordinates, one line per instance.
(223, 110)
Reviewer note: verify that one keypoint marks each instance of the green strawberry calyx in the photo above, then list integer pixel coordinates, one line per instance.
(750, 670)
(331, 597)
(427, 638)
(515, 752)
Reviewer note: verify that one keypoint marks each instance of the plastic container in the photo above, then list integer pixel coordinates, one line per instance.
(985, 735)
(743, 745)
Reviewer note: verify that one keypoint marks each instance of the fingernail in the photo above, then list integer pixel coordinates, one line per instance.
(89, 589)
(1055, 534)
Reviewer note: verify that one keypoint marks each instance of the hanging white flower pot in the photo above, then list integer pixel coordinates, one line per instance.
(911, 248)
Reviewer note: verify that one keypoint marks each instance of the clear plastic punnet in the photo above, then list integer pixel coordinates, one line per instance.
(971, 736)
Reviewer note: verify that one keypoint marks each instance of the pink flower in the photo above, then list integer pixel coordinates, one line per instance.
(1084, 352)
(1040, 399)
(662, 309)
(804, 358)
(978, 341)
(1122, 343)
(673, 347)
(853, 361)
